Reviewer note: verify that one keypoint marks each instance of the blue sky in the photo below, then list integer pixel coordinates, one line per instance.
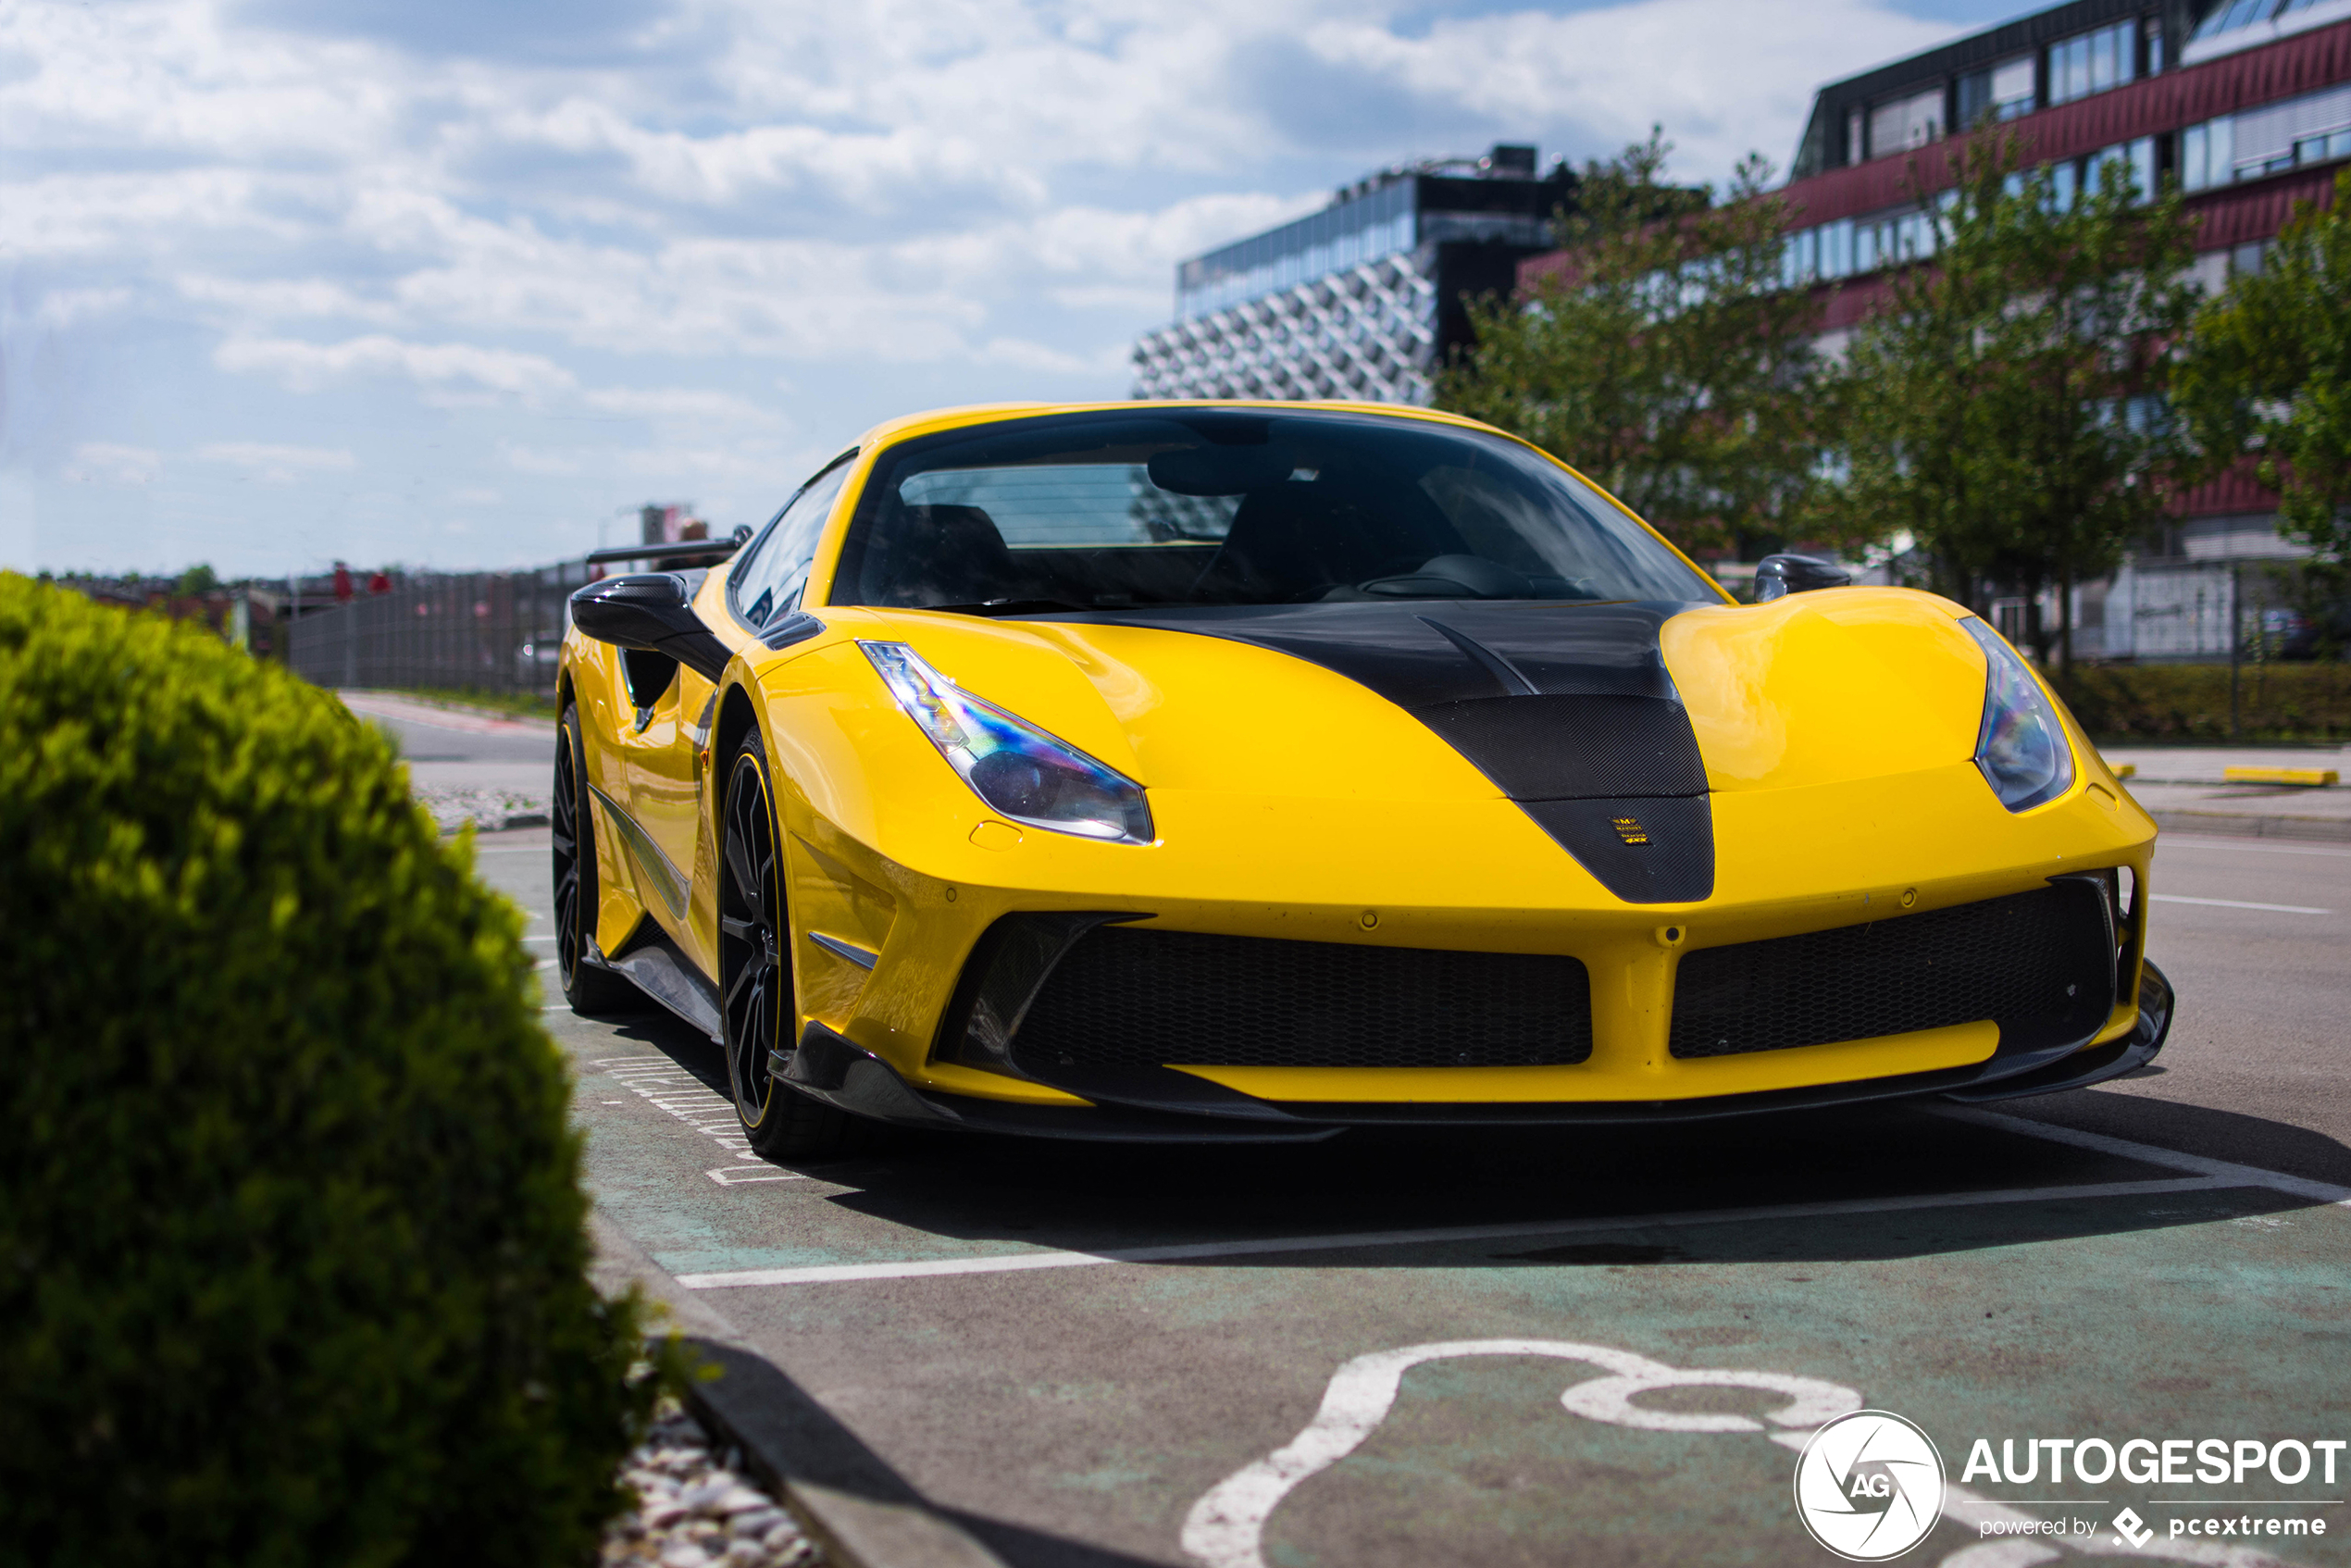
(463, 283)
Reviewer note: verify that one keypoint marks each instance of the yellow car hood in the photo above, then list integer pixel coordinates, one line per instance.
(1824, 687)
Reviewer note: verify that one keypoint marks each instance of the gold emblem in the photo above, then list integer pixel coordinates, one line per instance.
(1629, 828)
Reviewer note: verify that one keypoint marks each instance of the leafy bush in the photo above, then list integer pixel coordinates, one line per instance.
(292, 1235)
(2275, 701)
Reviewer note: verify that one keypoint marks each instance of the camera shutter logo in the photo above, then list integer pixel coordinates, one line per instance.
(1869, 1485)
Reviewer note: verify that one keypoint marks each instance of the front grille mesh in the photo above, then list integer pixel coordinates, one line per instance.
(2040, 964)
(1123, 998)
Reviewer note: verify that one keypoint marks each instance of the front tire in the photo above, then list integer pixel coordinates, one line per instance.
(757, 997)
(586, 986)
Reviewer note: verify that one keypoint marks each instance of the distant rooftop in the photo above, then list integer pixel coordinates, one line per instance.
(1498, 197)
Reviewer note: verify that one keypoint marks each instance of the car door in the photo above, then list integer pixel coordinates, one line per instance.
(655, 755)
(662, 745)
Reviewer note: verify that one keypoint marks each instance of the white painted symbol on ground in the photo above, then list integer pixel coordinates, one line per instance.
(660, 1081)
(1226, 1528)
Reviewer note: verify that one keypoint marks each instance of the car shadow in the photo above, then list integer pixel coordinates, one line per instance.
(1901, 1163)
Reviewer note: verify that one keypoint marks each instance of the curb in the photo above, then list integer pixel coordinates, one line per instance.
(2247, 824)
(864, 1513)
(846, 1497)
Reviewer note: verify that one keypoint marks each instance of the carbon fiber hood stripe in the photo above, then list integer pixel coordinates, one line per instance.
(1568, 708)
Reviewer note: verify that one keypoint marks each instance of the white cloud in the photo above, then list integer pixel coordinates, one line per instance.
(716, 238)
(271, 463)
(539, 462)
(305, 366)
(1713, 74)
(105, 462)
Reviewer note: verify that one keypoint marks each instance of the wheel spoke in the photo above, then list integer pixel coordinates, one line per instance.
(747, 886)
(753, 975)
(740, 930)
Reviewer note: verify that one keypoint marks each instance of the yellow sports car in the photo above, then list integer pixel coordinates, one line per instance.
(1250, 771)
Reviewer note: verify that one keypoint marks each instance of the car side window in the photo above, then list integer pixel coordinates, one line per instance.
(766, 587)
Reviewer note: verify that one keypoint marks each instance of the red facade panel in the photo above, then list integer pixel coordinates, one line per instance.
(2233, 217)
(2301, 64)
(2234, 493)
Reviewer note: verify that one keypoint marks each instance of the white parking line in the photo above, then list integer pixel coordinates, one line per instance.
(2226, 1170)
(2239, 904)
(661, 1082)
(2171, 843)
(838, 1273)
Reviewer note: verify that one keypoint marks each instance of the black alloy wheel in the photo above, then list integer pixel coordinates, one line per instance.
(586, 986)
(757, 999)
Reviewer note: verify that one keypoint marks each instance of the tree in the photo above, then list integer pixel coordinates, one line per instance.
(1668, 361)
(196, 581)
(2268, 374)
(2008, 409)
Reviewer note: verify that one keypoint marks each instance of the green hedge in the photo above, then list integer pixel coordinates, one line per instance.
(2275, 701)
(292, 1235)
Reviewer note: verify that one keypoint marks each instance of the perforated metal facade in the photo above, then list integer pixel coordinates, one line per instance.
(1367, 331)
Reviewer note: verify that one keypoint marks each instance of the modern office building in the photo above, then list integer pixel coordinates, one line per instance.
(1361, 300)
(2246, 104)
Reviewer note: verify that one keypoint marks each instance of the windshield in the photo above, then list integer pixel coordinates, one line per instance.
(1217, 506)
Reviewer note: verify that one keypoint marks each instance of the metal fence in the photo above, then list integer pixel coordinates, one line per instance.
(481, 631)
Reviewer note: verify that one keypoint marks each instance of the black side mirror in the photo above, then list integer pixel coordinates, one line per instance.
(1778, 576)
(653, 613)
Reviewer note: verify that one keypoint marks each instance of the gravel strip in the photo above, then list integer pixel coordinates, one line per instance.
(489, 810)
(694, 1511)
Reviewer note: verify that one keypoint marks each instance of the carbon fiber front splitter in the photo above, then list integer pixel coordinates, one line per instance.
(1160, 1105)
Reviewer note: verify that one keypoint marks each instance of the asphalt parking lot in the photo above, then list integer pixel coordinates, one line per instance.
(1573, 1346)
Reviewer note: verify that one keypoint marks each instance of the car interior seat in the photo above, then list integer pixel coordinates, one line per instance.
(945, 554)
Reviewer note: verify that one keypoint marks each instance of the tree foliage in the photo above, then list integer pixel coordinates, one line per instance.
(2007, 409)
(1669, 363)
(2268, 374)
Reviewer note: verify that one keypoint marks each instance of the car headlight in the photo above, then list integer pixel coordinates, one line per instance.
(2021, 746)
(1011, 764)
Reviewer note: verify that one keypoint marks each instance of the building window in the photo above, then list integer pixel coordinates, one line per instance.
(2228, 18)
(1906, 124)
(2155, 47)
(1853, 152)
(2090, 62)
(1836, 249)
(2005, 92)
(2137, 159)
(2208, 155)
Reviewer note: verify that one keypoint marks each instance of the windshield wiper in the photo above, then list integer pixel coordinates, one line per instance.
(1005, 608)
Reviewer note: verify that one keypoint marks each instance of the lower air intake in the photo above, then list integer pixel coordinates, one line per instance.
(2040, 964)
(1123, 998)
